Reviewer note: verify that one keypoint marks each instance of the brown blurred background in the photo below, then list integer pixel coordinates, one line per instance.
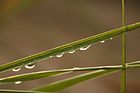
(31, 26)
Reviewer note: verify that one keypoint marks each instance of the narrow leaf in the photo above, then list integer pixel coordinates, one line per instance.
(66, 83)
(19, 91)
(67, 47)
(32, 76)
(52, 73)
(101, 71)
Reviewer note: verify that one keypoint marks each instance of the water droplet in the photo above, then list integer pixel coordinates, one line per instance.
(102, 41)
(18, 82)
(84, 48)
(111, 38)
(30, 65)
(16, 69)
(72, 51)
(59, 55)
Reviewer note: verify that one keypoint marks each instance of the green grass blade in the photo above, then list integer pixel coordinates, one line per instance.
(19, 91)
(32, 76)
(134, 63)
(101, 71)
(52, 73)
(66, 83)
(67, 47)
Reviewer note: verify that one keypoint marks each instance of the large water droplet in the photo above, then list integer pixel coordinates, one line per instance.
(72, 51)
(16, 69)
(84, 48)
(102, 41)
(30, 65)
(59, 55)
(18, 82)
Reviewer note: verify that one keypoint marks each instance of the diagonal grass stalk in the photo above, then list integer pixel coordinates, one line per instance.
(19, 91)
(69, 82)
(67, 47)
(54, 73)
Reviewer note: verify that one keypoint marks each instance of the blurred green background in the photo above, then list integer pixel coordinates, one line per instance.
(31, 26)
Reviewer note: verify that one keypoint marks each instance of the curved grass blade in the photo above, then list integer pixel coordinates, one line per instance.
(52, 73)
(68, 47)
(19, 91)
(66, 83)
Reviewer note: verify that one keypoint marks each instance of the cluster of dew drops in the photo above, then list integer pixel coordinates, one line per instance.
(32, 64)
(28, 66)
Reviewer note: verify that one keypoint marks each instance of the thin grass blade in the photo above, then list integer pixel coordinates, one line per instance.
(67, 47)
(53, 73)
(100, 71)
(32, 76)
(66, 83)
(19, 91)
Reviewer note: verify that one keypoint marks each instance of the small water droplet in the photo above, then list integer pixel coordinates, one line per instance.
(59, 55)
(30, 65)
(102, 41)
(16, 69)
(52, 56)
(72, 51)
(18, 82)
(84, 48)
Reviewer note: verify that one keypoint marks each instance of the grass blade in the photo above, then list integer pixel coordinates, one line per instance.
(52, 73)
(65, 48)
(32, 76)
(19, 91)
(101, 71)
(66, 83)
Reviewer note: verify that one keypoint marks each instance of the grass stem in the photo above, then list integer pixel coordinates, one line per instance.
(123, 75)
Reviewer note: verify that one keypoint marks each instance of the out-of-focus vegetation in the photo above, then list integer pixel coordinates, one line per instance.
(9, 7)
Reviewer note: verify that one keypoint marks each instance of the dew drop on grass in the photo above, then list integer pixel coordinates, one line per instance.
(72, 51)
(16, 69)
(30, 65)
(102, 41)
(84, 48)
(50, 56)
(59, 55)
(18, 82)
